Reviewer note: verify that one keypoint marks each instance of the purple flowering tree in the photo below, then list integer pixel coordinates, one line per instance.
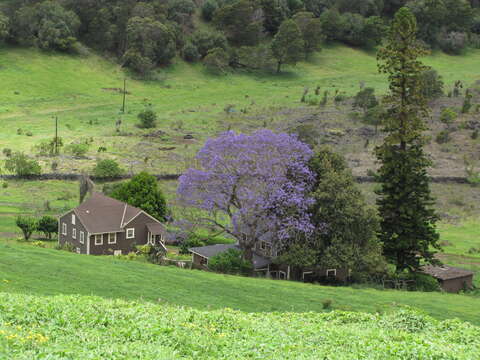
(259, 182)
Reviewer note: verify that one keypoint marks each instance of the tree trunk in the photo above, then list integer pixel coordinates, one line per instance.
(279, 65)
(248, 253)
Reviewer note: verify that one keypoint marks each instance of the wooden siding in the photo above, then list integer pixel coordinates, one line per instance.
(456, 285)
(63, 239)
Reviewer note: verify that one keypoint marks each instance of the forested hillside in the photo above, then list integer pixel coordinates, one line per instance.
(226, 34)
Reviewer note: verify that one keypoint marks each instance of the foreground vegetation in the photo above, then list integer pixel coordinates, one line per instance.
(81, 327)
(53, 272)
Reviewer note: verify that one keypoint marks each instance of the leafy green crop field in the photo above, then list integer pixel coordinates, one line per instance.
(36, 271)
(83, 93)
(84, 327)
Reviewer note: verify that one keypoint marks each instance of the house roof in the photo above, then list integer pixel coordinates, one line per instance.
(207, 252)
(446, 272)
(156, 228)
(102, 214)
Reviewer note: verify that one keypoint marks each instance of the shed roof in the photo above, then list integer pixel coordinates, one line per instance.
(102, 214)
(446, 272)
(207, 252)
(156, 228)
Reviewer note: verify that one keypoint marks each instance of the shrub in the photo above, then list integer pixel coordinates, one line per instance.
(474, 135)
(443, 137)
(453, 42)
(432, 84)
(216, 61)
(77, 150)
(426, 282)
(39, 244)
(365, 99)
(230, 262)
(190, 52)
(7, 152)
(205, 41)
(448, 116)
(4, 185)
(49, 147)
(208, 9)
(65, 247)
(27, 224)
(327, 304)
(107, 168)
(21, 165)
(48, 225)
(192, 241)
(148, 118)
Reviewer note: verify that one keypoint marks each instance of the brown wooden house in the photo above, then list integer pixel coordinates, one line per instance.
(450, 279)
(105, 226)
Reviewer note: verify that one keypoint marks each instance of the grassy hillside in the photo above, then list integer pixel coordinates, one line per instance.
(83, 92)
(37, 271)
(79, 327)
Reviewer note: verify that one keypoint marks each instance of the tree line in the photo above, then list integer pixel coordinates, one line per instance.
(145, 34)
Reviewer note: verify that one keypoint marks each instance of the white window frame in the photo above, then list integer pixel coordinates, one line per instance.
(73, 219)
(74, 233)
(114, 238)
(117, 252)
(82, 237)
(64, 229)
(98, 236)
(330, 271)
(132, 236)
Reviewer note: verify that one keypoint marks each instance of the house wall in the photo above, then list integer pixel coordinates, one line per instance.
(63, 239)
(456, 285)
(197, 262)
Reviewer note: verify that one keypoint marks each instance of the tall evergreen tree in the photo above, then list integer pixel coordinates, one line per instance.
(405, 203)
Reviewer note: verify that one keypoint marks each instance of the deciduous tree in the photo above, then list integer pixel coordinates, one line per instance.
(288, 45)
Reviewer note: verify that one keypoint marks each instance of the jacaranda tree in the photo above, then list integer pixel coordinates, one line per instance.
(258, 182)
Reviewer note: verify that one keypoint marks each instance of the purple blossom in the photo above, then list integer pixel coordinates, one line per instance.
(259, 181)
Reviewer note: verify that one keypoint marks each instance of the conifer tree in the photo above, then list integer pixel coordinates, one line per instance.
(405, 203)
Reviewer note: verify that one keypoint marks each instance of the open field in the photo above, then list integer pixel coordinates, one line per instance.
(81, 327)
(37, 271)
(83, 93)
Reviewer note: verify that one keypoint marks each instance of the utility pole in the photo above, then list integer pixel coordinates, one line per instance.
(124, 94)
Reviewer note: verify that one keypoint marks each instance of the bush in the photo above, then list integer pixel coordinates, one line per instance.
(40, 244)
(4, 185)
(205, 41)
(48, 225)
(216, 61)
(327, 304)
(432, 84)
(148, 118)
(230, 262)
(77, 150)
(474, 135)
(7, 152)
(21, 165)
(190, 52)
(192, 241)
(443, 137)
(107, 168)
(453, 42)
(208, 9)
(425, 282)
(65, 247)
(27, 224)
(49, 147)
(448, 116)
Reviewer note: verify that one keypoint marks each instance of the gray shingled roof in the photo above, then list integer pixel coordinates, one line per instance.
(207, 252)
(446, 272)
(102, 214)
(156, 228)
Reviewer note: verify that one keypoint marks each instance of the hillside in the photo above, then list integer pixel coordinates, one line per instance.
(37, 271)
(80, 327)
(83, 91)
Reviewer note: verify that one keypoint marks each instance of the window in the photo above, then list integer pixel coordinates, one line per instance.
(73, 219)
(331, 272)
(64, 229)
(99, 239)
(266, 247)
(74, 233)
(263, 245)
(82, 237)
(130, 233)
(282, 275)
(112, 238)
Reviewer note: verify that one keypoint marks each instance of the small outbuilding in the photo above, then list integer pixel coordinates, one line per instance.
(451, 279)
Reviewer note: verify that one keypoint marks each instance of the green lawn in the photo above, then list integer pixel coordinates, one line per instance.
(37, 271)
(37, 86)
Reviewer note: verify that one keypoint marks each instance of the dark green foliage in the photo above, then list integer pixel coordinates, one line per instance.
(311, 29)
(27, 224)
(150, 43)
(216, 61)
(107, 168)
(443, 137)
(474, 135)
(274, 12)
(448, 116)
(307, 134)
(21, 165)
(7, 152)
(349, 239)
(142, 191)
(240, 21)
(181, 11)
(332, 24)
(4, 26)
(404, 200)
(432, 84)
(424, 282)
(230, 262)
(148, 118)
(77, 150)
(47, 25)
(48, 225)
(318, 7)
(453, 42)
(362, 7)
(191, 242)
(207, 40)
(190, 52)
(365, 99)
(288, 45)
(374, 116)
(467, 102)
(208, 9)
